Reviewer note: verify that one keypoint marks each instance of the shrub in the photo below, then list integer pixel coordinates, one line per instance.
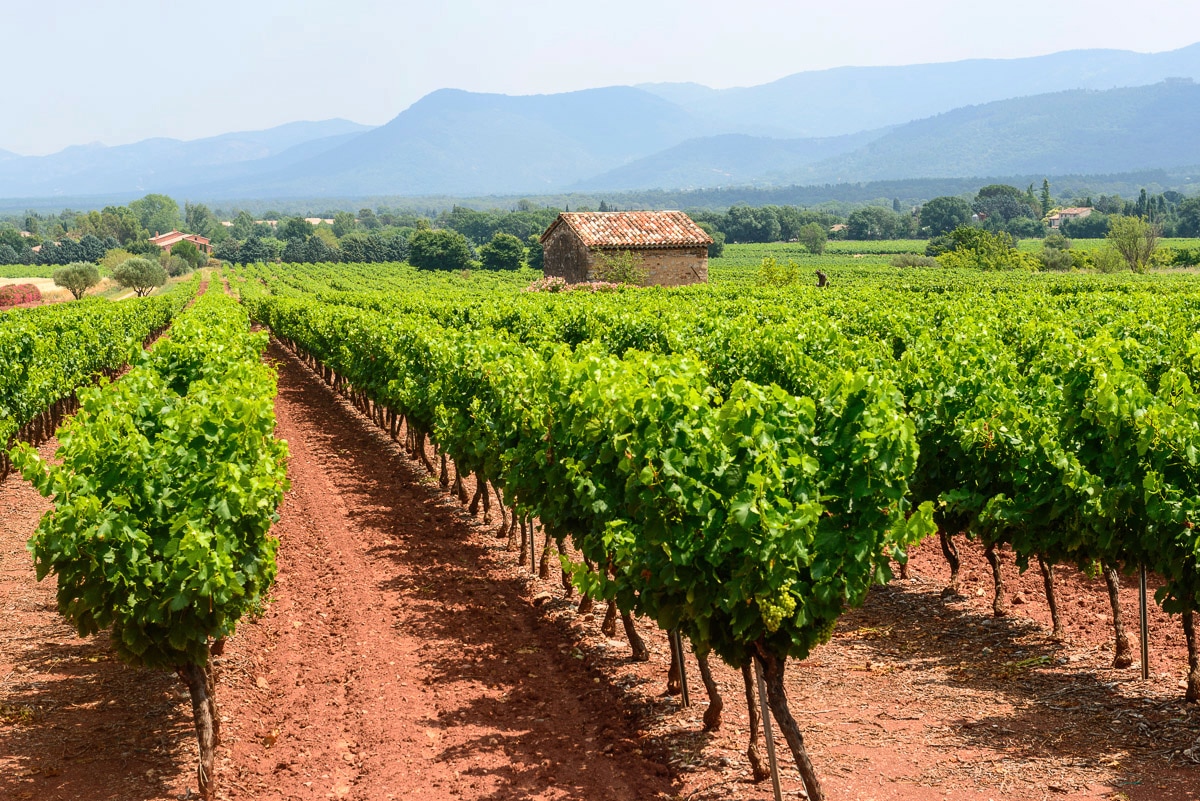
(16, 294)
(772, 273)
(914, 260)
(624, 267)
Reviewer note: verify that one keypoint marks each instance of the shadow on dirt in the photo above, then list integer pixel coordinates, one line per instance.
(50, 728)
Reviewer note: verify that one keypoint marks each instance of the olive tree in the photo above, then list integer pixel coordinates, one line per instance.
(143, 276)
(78, 277)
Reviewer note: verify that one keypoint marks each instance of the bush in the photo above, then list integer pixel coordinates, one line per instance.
(772, 273)
(976, 249)
(187, 251)
(624, 267)
(177, 266)
(1107, 260)
(913, 260)
(16, 294)
(77, 277)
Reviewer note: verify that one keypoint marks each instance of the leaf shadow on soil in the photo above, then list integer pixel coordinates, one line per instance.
(1073, 713)
(478, 626)
(52, 728)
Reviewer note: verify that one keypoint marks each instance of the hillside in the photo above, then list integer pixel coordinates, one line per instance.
(725, 160)
(1057, 114)
(165, 164)
(851, 99)
(463, 142)
(1080, 132)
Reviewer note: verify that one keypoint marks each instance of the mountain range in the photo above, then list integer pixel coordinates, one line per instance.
(1086, 111)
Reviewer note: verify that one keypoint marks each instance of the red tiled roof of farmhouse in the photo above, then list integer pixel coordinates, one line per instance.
(632, 229)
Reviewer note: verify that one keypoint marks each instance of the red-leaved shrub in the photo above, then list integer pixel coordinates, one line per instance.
(16, 294)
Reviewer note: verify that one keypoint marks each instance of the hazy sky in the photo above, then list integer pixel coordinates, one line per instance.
(81, 71)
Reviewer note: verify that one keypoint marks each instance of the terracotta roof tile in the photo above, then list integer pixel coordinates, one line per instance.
(629, 229)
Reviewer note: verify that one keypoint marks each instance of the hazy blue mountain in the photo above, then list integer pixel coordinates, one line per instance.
(1079, 132)
(845, 124)
(849, 99)
(459, 142)
(161, 164)
(725, 160)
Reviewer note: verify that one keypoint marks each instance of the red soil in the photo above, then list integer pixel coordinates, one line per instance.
(404, 656)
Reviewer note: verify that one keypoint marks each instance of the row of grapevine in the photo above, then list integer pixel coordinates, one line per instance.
(167, 486)
(748, 521)
(1057, 415)
(47, 353)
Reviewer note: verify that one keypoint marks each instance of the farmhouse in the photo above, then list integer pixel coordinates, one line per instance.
(1074, 213)
(171, 238)
(673, 249)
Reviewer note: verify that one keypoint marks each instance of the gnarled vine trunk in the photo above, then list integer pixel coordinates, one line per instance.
(1057, 633)
(204, 716)
(1193, 647)
(777, 700)
(1123, 651)
(950, 551)
(757, 767)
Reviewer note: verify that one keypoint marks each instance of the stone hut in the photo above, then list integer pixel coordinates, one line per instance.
(673, 248)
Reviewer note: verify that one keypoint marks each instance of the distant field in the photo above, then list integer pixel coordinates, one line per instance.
(740, 262)
(26, 271)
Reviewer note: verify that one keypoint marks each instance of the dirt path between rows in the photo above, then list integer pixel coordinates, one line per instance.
(392, 662)
(405, 655)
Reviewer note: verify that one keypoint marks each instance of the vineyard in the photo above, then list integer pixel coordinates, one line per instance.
(731, 470)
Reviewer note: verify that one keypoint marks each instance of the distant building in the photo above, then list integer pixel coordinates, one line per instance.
(837, 228)
(1074, 213)
(171, 238)
(673, 249)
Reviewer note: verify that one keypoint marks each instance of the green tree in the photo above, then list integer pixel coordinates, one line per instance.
(536, 256)
(1135, 239)
(78, 277)
(143, 276)
(158, 214)
(748, 224)
(875, 222)
(439, 249)
(244, 226)
(941, 215)
(717, 249)
(1188, 214)
(294, 229)
(1047, 202)
(813, 236)
(188, 251)
(198, 219)
(344, 223)
(367, 219)
(504, 252)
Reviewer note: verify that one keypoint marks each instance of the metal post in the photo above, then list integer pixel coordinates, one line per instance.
(1145, 624)
(766, 717)
(677, 639)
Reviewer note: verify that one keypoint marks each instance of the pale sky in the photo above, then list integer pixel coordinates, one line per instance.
(80, 71)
